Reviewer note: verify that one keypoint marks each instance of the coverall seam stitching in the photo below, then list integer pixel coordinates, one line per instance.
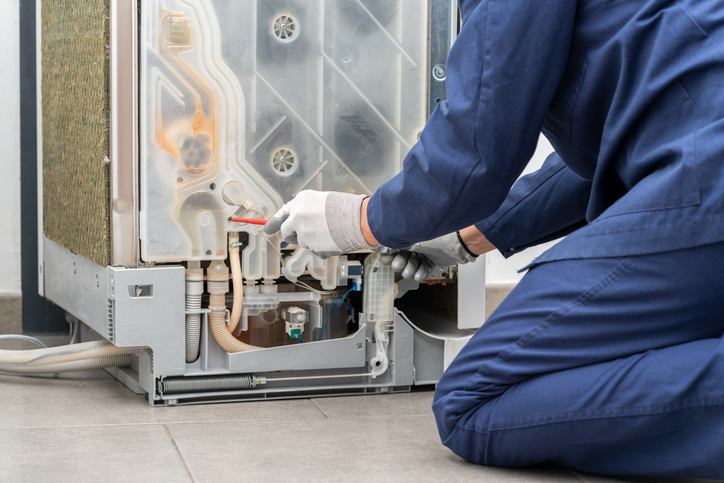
(698, 25)
(482, 82)
(503, 215)
(698, 111)
(493, 230)
(635, 411)
(582, 300)
(578, 94)
(631, 230)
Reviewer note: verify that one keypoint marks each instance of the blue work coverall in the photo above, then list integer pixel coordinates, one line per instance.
(608, 356)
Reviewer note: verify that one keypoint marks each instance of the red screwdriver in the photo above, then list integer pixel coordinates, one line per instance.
(252, 221)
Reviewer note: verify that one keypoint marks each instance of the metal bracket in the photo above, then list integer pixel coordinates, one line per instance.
(443, 30)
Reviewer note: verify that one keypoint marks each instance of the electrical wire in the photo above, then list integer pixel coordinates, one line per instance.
(261, 215)
(335, 305)
(24, 338)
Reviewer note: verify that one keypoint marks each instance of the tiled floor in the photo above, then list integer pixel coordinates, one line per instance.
(88, 427)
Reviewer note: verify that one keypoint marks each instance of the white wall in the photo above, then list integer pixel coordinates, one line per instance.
(10, 151)
(500, 270)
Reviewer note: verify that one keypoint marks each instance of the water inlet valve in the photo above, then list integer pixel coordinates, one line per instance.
(294, 319)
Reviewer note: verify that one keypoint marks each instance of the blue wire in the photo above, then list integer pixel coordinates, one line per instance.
(299, 339)
(326, 319)
(335, 305)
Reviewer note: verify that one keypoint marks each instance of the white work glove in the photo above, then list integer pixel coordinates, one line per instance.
(328, 223)
(421, 258)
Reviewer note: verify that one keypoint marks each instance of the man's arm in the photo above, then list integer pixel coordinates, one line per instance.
(543, 206)
(503, 72)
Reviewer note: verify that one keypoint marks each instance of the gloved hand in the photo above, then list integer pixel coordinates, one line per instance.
(328, 223)
(421, 258)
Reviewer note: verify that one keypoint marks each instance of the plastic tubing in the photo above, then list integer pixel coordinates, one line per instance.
(237, 278)
(217, 277)
(194, 291)
(76, 357)
(84, 365)
(23, 338)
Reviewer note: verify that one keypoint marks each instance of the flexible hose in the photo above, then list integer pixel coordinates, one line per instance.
(217, 323)
(194, 291)
(193, 328)
(237, 278)
(217, 282)
(23, 338)
(84, 365)
(87, 355)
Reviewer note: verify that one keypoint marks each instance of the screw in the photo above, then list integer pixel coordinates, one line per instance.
(439, 72)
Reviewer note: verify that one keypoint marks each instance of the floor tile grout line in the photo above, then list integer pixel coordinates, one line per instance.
(320, 409)
(183, 460)
(579, 477)
(225, 421)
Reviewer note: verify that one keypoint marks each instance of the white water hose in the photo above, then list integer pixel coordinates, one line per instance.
(68, 358)
(194, 292)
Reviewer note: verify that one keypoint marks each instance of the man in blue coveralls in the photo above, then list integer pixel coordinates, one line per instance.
(609, 355)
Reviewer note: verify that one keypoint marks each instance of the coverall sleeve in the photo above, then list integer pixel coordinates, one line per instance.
(503, 71)
(542, 206)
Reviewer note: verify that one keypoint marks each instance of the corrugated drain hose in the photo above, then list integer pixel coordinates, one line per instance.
(217, 279)
(238, 280)
(68, 358)
(194, 291)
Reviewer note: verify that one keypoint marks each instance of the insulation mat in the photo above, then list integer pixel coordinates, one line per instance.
(76, 119)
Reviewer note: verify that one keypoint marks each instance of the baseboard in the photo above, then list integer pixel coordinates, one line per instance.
(495, 294)
(11, 313)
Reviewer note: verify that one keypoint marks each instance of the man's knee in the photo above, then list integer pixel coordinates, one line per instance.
(453, 428)
(461, 419)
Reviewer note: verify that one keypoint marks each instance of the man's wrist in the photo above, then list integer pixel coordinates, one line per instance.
(464, 246)
(474, 241)
(365, 226)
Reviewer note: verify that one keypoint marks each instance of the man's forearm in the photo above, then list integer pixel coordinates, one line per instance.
(364, 225)
(475, 241)
(471, 236)
(542, 206)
